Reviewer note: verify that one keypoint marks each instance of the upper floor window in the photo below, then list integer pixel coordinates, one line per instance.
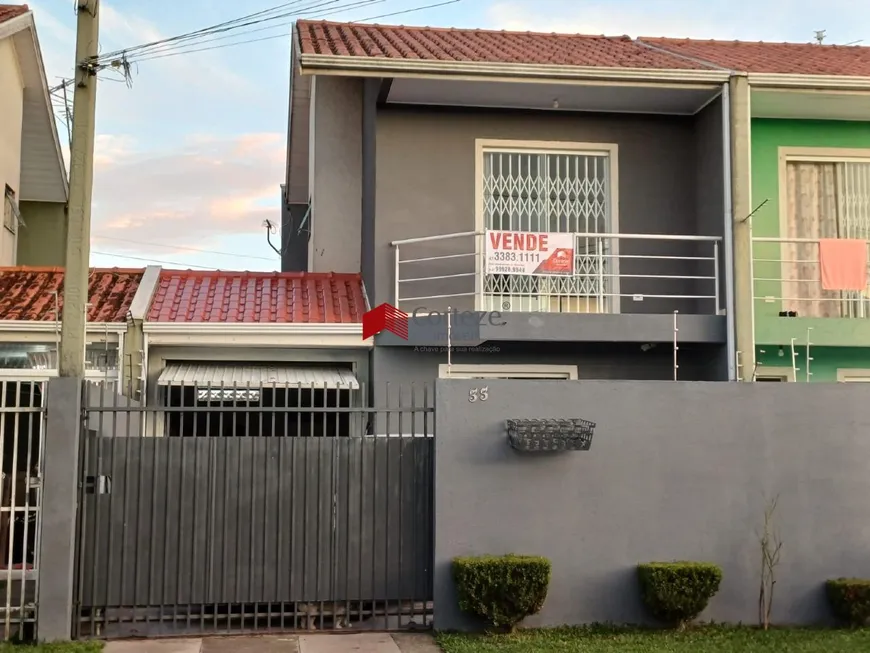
(10, 211)
(824, 194)
(557, 188)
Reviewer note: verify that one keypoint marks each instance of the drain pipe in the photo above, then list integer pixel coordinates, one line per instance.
(728, 237)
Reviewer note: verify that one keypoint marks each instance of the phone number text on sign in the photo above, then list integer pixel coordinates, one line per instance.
(529, 253)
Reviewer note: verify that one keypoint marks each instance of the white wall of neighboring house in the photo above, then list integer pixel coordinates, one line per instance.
(11, 115)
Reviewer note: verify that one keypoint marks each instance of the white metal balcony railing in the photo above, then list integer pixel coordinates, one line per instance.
(787, 277)
(613, 273)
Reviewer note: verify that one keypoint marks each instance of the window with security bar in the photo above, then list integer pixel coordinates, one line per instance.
(551, 191)
(824, 199)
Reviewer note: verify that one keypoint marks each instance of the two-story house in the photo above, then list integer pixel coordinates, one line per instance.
(569, 196)
(809, 128)
(32, 172)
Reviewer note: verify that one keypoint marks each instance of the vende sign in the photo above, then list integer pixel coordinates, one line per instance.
(529, 253)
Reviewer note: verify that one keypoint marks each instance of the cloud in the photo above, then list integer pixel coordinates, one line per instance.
(188, 196)
(772, 20)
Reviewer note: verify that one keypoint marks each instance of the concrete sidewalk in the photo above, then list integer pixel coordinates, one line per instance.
(319, 643)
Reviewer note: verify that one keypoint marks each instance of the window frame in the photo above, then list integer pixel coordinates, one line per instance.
(483, 146)
(785, 374)
(853, 375)
(791, 154)
(525, 372)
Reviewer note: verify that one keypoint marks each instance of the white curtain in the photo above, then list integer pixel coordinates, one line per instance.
(823, 200)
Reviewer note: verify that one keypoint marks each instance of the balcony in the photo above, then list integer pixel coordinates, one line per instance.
(790, 302)
(616, 277)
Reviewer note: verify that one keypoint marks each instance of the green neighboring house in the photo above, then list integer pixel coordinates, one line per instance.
(809, 179)
(815, 176)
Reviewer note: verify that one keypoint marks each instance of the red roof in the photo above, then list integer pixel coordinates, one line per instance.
(29, 293)
(257, 297)
(8, 12)
(777, 58)
(467, 45)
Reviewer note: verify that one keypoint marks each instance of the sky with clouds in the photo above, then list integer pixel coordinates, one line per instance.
(190, 158)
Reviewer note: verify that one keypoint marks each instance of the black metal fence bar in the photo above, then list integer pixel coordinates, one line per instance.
(232, 509)
(22, 423)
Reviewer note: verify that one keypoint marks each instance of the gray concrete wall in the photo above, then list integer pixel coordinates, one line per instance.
(403, 366)
(426, 186)
(709, 182)
(676, 471)
(710, 190)
(58, 510)
(336, 181)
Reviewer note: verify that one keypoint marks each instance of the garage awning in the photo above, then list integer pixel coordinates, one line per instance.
(215, 375)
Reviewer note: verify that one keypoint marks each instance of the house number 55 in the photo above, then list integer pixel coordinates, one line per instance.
(478, 394)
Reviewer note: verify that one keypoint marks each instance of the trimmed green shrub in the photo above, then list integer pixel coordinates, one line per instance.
(850, 599)
(501, 590)
(677, 592)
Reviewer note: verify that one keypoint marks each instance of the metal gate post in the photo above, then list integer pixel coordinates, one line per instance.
(59, 495)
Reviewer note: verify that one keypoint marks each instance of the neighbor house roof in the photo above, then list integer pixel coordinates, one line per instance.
(8, 12)
(481, 46)
(28, 294)
(773, 58)
(257, 297)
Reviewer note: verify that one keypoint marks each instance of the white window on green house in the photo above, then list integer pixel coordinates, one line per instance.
(826, 195)
(766, 374)
(555, 188)
(853, 375)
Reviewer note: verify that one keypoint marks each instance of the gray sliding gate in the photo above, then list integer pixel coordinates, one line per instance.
(239, 510)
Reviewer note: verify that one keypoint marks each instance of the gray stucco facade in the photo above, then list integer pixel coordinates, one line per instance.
(675, 471)
(379, 172)
(426, 179)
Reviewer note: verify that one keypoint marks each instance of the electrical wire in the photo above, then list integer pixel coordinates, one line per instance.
(408, 11)
(199, 32)
(188, 249)
(245, 21)
(182, 44)
(177, 45)
(154, 260)
(159, 53)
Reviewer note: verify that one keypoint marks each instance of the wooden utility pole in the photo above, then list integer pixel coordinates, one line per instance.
(71, 358)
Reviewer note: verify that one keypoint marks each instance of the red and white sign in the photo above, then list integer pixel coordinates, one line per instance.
(530, 254)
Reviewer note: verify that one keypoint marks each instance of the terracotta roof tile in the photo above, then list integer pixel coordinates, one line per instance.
(28, 293)
(8, 12)
(467, 45)
(257, 297)
(777, 58)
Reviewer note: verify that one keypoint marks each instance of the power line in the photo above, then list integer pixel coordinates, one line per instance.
(238, 23)
(188, 249)
(408, 11)
(172, 50)
(155, 260)
(205, 30)
(176, 45)
(189, 50)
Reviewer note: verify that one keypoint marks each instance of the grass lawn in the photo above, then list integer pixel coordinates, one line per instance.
(709, 639)
(64, 647)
